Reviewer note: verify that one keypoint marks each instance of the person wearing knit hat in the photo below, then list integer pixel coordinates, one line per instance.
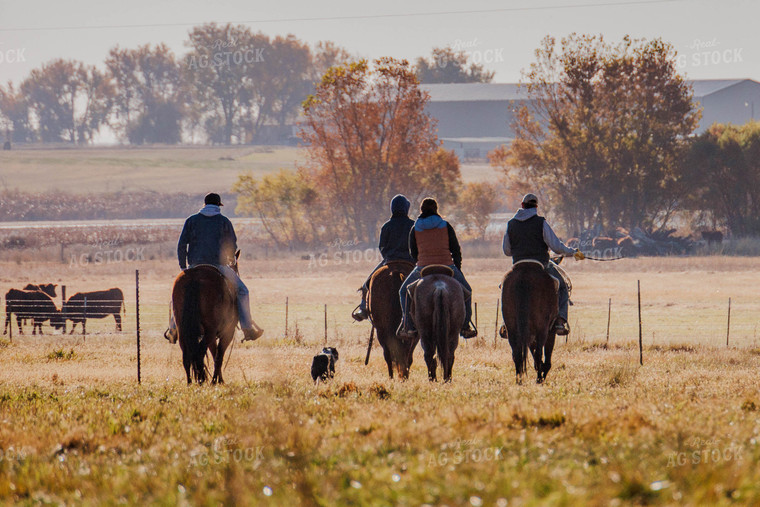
(529, 236)
(394, 246)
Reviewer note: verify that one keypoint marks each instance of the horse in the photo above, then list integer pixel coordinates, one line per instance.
(529, 307)
(205, 310)
(385, 315)
(438, 309)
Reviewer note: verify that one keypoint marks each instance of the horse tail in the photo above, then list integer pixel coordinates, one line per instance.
(190, 329)
(523, 324)
(441, 326)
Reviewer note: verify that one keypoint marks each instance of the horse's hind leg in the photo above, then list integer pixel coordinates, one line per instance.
(388, 359)
(548, 349)
(431, 364)
(537, 352)
(187, 362)
(448, 367)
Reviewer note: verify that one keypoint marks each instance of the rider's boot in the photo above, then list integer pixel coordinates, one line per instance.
(561, 327)
(360, 312)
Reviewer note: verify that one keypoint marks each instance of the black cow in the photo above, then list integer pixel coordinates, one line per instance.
(31, 304)
(323, 365)
(47, 288)
(100, 304)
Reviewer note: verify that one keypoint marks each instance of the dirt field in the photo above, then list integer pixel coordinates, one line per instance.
(682, 429)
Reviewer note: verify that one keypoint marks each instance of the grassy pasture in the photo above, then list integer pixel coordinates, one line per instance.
(163, 169)
(682, 429)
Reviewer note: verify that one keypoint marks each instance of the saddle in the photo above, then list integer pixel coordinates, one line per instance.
(539, 263)
(436, 269)
(227, 283)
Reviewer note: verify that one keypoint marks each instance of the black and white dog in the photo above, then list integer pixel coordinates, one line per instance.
(323, 365)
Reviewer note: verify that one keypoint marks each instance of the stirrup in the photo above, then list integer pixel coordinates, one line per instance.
(252, 334)
(561, 327)
(468, 332)
(359, 314)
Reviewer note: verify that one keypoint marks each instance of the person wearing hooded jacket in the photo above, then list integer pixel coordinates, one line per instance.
(529, 237)
(394, 246)
(432, 240)
(209, 238)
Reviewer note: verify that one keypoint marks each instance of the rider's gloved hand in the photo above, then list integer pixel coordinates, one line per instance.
(578, 255)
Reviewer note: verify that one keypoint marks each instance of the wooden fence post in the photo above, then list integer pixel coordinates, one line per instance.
(641, 345)
(728, 324)
(137, 317)
(609, 315)
(63, 306)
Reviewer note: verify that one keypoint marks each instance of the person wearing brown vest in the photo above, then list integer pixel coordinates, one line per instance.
(432, 240)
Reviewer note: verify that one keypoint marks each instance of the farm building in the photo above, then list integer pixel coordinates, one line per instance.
(474, 118)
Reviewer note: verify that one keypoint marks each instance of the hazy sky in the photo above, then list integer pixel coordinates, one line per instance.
(717, 39)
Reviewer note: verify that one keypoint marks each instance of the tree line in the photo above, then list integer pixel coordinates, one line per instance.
(233, 86)
(608, 140)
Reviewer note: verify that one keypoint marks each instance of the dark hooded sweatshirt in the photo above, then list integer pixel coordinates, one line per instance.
(394, 236)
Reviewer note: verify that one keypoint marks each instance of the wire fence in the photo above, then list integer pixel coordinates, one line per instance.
(144, 315)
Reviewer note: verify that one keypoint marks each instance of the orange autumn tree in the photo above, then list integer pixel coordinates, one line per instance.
(368, 138)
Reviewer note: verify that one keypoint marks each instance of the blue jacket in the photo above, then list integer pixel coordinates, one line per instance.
(207, 238)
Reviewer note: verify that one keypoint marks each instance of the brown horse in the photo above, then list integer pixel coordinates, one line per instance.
(529, 307)
(385, 314)
(438, 310)
(205, 311)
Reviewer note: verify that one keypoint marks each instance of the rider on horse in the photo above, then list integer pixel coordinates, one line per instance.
(394, 246)
(433, 241)
(529, 236)
(209, 238)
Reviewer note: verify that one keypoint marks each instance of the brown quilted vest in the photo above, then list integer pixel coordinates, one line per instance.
(433, 247)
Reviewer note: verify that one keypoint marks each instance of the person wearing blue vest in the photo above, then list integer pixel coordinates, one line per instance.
(529, 236)
(432, 240)
(394, 246)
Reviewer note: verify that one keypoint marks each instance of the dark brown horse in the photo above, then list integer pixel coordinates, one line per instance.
(205, 310)
(438, 310)
(385, 314)
(529, 307)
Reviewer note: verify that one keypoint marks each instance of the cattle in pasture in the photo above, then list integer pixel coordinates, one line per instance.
(31, 304)
(47, 288)
(712, 237)
(94, 305)
(603, 243)
(323, 364)
(627, 247)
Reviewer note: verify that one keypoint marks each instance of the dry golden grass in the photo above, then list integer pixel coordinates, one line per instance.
(164, 169)
(682, 429)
